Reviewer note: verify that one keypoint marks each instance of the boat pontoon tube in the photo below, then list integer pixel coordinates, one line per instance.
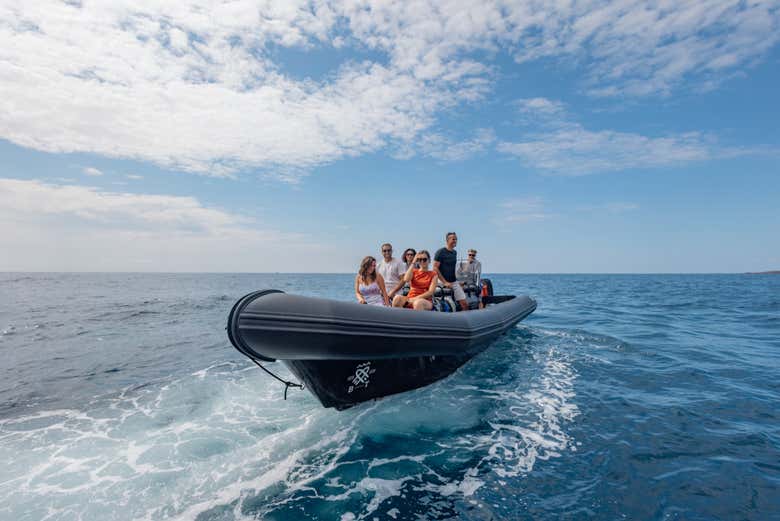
(347, 353)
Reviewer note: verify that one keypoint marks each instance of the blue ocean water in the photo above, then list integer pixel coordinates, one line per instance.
(621, 397)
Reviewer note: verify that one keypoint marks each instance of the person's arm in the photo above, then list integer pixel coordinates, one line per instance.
(461, 271)
(398, 286)
(401, 274)
(381, 282)
(436, 264)
(444, 282)
(360, 298)
(408, 275)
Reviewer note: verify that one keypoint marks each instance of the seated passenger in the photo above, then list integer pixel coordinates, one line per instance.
(369, 285)
(391, 269)
(422, 283)
(408, 257)
(403, 286)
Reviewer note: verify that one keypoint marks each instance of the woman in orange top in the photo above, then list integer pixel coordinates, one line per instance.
(422, 284)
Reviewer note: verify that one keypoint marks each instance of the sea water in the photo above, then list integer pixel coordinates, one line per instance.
(621, 397)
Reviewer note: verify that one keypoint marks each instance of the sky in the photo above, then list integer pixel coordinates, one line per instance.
(630, 136)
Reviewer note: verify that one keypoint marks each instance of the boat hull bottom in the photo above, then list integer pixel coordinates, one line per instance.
(344, 383)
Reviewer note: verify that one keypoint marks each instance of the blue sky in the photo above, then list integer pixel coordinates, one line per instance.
(596, 137)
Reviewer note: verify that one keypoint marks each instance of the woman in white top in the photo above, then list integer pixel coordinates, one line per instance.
(369, 285)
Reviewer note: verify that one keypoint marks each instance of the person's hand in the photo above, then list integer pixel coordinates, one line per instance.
(362, 300)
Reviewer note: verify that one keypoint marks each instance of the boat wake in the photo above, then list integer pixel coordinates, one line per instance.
(221, 444)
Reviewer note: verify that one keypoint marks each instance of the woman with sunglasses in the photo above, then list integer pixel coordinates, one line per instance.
(369, 285)
(408, 257)
(422, 284)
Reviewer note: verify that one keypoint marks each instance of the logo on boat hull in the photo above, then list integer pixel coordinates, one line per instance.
(361, 378)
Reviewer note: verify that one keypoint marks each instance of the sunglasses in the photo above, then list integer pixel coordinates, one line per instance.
(386, 251)
(410, 254)
(423, 260)
(472, 254)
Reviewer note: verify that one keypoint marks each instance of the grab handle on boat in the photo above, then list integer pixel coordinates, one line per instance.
(287, 383)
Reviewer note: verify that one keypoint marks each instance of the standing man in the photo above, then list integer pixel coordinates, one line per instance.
(444, 264)
(392, 270)
(470, 270)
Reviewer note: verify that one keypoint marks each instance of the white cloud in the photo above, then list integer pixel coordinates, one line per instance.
(19, 197)
(444, 148)
(613, 207)
(567, 148)
(522, 210)
(122, 80)
(192, 85)
(573, 150)
(619, 207)
(53, 227)
(624, 47)
(92, 171)
(540, 106)
(640, 48)
(134, 177)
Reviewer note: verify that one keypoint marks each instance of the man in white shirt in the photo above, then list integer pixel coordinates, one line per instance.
(392, 270)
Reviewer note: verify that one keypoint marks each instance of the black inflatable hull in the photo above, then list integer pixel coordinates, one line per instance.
(347, 353)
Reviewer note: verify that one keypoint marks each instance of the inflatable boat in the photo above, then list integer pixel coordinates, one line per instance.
(346, 353)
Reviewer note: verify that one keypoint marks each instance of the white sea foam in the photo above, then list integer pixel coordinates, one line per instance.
(210, 443)
(527, 424)
(160, 451)
(377, 489)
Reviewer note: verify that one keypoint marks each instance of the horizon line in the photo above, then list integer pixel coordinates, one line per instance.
(352, 273)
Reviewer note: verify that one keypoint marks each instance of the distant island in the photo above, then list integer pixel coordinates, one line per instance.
(773, 272)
